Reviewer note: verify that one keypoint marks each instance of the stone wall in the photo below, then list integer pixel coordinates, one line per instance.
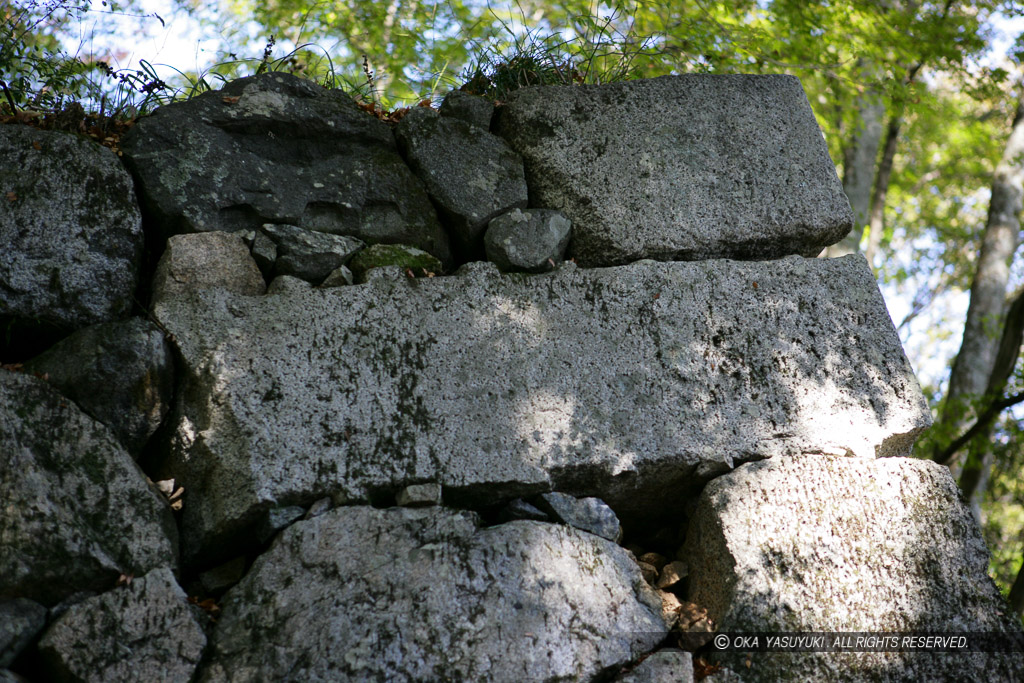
(549, 391)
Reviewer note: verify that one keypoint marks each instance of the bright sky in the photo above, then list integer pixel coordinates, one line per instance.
(180, 42)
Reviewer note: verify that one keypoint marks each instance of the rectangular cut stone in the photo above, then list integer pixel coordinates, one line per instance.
(680, 167)
(652, 378)
(845, 546)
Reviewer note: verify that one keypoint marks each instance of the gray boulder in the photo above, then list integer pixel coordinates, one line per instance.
(419, 495)
(77, 512)
(145, 631)
(70, 229)
(680, 167)
(209, 260)
(834, 544)
(309, 255)
(275, 148)
(663, 376)
(471, 175)
(121, 373)
(20, 621)
(533, 240)
(664, 666)
(472, 109)
(406, 594)
(587, 514)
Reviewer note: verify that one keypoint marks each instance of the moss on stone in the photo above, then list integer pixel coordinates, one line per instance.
(419, 262)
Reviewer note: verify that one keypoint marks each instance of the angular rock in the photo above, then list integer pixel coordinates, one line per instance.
(20, 621)
(532, 240)
(834, 544)
(275, 148)
(680, 167)
(309, 255)
(400, 255)
(587, 514)
(410, 594)
(663, 376)
(120, 373)
(339, 277)
(70, 229)
(419, 495)
(472, 109)
(264, 253)
(209, 260)
(672, 573)
(471, 175)
(649, 573)
(664, 666)
(287, 285)
(520, 509)
(318, 508)
(77, 512)
(145, 631)
(656, 560)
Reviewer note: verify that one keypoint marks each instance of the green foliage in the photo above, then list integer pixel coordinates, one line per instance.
(1004, 505)
(38, 76)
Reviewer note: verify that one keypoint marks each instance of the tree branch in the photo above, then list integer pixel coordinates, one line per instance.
(946, 456)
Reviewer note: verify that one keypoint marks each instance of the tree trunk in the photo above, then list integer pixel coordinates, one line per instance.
(975, 361)
(859, 169)
(978, 466)
(876, 216)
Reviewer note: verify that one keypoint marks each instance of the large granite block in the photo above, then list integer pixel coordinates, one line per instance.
(844, 545)
(680, 167)
(633, 384)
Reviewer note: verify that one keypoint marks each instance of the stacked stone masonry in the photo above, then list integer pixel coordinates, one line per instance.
(553, 390)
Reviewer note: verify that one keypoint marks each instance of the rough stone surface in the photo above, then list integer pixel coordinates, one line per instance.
(389, 255)
(76, 512)
(520, 509)
(406, 594)
(264, 253)
(209, 260)
(680, 167)
(664, 666)
(70, 229)
(287, 285)
(338, 278)
(277, 149)
(20, 621)
(532, 240)
(419, 495)
(472, 109)
(471, 175)
(223, 576)
(672, 573)
(820, 543)
(587, 514)
(145, 631)
(649, 378)
(275, 519)
(309, 255)
(121, 373)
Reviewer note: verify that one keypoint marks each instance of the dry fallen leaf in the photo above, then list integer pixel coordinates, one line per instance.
(36, 145)
(209, 605)
(12, 196)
